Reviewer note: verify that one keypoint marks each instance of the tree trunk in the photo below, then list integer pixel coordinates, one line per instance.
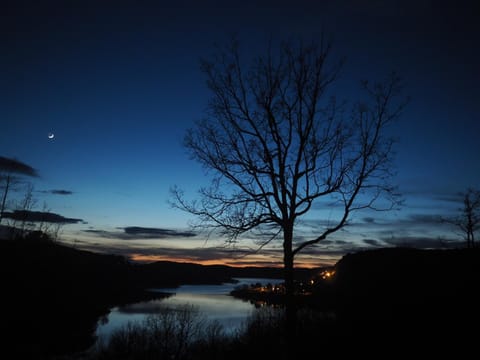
(4, 198)
(470, 239)
(290, 306)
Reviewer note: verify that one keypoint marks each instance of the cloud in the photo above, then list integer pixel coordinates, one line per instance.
(422, 242)
(39, 216)
(423, 219)
(102, 233)
(373, 242)
(156, 232)
(454, 198)
(169, 253)
(413, 220)
(141, 233)
(57, 192)
(16, 167)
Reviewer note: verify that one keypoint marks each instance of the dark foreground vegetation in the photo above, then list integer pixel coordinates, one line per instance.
(379, 302)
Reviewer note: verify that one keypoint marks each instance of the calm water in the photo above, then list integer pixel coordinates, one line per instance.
(212, 301)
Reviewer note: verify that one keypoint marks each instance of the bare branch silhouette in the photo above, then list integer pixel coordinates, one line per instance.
(11, 170)
(468, 221)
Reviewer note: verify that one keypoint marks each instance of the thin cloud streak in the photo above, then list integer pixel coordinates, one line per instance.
(57, 192)
(40, 216)
(424, 242)
(157, 232)
(141, 233)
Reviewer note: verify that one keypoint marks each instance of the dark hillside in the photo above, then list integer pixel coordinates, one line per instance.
(55, 295)
(410, 297)
(408, 276)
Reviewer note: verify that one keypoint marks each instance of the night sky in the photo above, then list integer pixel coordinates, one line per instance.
(118, 83)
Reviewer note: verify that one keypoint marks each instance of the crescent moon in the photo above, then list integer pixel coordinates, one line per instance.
(51, 135)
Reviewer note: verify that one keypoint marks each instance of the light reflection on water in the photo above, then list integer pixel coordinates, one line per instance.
(212, 301)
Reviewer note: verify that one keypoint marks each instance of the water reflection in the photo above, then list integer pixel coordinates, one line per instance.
(212, 301)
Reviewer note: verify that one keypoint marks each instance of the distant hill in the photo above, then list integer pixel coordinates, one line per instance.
(189, 273)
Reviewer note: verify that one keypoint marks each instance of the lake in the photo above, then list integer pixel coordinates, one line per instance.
(212, 301)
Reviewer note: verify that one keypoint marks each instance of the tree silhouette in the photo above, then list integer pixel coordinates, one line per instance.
(10, 172)
(26, 204)
(468, 221)
(277, 143)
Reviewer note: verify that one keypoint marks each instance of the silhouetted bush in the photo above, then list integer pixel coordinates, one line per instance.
(183, 334)
(168, 334)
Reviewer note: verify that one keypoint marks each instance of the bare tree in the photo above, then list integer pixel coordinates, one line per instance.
(277, 143)
(26, 205)
(46, 226)
(10, 172)
(468, 221)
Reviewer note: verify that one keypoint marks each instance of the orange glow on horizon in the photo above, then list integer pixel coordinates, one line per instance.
(228, 262)
(142, 258)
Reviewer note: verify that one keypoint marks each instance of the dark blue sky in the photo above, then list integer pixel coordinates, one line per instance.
(118, 83)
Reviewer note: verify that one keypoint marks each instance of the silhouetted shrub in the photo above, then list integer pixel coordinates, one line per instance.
(168, 334)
